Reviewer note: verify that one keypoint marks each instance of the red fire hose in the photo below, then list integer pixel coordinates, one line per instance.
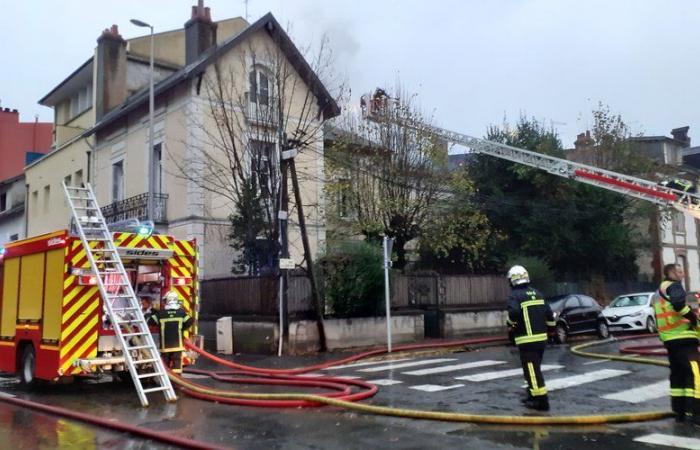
(291, 377)
(166, 438)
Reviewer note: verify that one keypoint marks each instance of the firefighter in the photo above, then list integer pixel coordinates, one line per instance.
(680, 184)
(530, 317)
(678, 330)
(173, 321)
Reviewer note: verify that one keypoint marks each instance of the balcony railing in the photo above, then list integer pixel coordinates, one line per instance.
(261, 110)
(136, 207)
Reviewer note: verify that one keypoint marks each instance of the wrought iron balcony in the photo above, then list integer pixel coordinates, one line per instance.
(136, 207)
(261, 110)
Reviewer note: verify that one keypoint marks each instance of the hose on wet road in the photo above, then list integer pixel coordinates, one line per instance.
(262, 399)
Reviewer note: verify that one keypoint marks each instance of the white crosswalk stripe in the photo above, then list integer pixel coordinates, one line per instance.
(584, 378)
(495, 375)
(363, 364)
(454, 367)
(640, 394)
(435, 387)
(394, 365)
(385, 382)
(670, 441)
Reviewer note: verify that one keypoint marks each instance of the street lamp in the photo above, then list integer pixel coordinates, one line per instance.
(151, 174)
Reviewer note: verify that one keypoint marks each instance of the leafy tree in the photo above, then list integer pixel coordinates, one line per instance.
(578, 230)
(391, 174)
(459, 236)
(352, 279)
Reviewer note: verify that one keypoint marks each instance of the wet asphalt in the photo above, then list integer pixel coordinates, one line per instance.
(326, 428)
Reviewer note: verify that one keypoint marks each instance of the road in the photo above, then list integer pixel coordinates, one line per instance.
(486, 381)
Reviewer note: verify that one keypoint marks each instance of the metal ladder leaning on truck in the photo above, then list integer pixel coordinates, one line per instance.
(69, 307)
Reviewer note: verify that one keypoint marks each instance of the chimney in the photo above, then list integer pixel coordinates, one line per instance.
(110, 71)
(583, 141)
(200, 32)
(681, 134)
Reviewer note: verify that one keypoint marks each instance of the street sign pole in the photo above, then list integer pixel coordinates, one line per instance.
(387, 244)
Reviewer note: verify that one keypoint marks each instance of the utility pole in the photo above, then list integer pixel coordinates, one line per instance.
(318, 307)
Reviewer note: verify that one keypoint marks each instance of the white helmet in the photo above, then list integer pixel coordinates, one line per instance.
(172, 300)
(517, 275)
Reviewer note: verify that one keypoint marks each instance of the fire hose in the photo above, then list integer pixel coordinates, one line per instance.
(260, 399)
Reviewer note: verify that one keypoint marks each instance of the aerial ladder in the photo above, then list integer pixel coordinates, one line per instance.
(121, 305)
(376, 108)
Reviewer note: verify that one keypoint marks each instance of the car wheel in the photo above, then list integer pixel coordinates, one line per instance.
(27, 366)
(651, 325)
(603, 330)
(562, 335)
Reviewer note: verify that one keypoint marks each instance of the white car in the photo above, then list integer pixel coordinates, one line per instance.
(631, 312)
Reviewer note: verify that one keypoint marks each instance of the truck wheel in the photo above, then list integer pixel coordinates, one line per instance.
(27, 366)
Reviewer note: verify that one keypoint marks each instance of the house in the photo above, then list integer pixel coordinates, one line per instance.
(102, 123)
(20, 144)
(673, 236)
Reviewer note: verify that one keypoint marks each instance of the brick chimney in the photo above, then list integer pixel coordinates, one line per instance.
(200, 32)
(583, 141)
(110, 83)
(681, 134)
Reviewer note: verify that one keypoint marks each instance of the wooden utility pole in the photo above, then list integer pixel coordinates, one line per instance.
(307, 255)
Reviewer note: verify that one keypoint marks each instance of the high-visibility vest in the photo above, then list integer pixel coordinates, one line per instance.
(671, 323)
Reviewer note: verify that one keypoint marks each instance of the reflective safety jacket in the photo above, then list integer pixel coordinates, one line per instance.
(674, 318)
(529, 315)
(172, 323)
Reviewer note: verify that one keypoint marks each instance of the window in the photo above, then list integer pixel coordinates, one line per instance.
(586, 302)
(81, 101)
(68, 180)
(158, 168)
(3, 201)
(262, 166)
(259, 87)
(47, 198)
(78, 178)
(14, 237)
(118, 181)
(571, 303)
(678, 222)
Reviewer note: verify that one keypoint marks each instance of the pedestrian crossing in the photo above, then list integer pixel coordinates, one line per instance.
(449, 374)
(668, 440)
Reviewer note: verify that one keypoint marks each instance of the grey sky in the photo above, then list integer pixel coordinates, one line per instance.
(471, 61)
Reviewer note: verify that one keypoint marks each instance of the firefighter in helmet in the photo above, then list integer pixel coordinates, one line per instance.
(530, 317)
(678, 330)
(172, 321)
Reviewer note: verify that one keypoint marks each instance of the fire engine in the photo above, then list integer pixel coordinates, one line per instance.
(71, 302)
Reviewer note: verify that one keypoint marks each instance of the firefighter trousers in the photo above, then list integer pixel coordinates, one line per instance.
(684, 362)
(531, 359)
(172, 359)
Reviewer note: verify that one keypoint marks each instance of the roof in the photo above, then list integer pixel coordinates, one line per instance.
(657, 139)
(328, 105)
(69, 79)
(11, 180)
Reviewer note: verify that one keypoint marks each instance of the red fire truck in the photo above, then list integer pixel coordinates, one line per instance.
(52, 322)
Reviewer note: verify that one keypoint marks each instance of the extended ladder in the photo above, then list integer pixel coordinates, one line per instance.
(378, 109)
(141, 355)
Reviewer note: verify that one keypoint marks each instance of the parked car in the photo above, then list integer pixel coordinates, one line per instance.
(631, 312)
(577, 314)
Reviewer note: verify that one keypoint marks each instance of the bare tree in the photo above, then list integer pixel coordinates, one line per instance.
(389, 174)
(255, 109)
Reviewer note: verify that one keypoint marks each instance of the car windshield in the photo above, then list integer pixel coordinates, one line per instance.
(557, 302)
(629, 300)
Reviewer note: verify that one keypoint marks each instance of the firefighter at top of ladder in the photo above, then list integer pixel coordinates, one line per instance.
(172, 322)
